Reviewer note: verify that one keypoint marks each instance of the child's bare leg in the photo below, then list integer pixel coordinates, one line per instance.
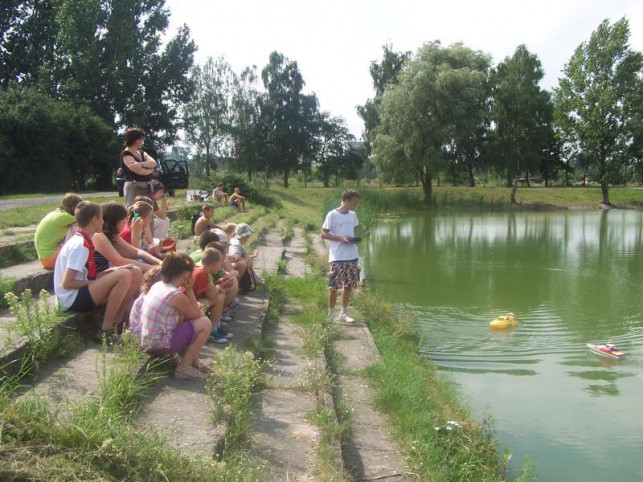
(111, 289)
(240, 266)
(202, 328)
(216, 308)
(132, 293)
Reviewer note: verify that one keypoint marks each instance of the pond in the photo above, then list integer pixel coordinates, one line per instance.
(571, 278)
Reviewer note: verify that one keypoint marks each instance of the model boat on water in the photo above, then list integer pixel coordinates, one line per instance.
(607, 351)
(504, 321)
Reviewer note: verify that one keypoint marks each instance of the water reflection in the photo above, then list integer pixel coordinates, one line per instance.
(571, 278)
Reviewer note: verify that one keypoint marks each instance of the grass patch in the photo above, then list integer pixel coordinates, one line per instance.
(36, 320)
(6, 285)
(233, 386)
(17, 253)
(97, 441)
(417, 400)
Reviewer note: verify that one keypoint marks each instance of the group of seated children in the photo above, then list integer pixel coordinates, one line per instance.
(106, 256)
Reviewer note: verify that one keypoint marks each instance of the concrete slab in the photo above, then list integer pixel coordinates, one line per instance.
(357, 346)
(283, 437)
(65, 383)
(288, 369)
(29, 275)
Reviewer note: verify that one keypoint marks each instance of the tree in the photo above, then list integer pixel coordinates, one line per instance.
(596, 100)
(428, 112)
(105, 54)
(332, 146)
(291, 113)
(208, 115)
(521, 112)
(383, 74)
(48, 144)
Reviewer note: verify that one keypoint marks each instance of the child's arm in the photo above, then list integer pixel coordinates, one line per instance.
(69, 281)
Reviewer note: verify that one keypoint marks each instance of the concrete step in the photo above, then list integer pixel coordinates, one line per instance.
(368, 448)
(180, 410)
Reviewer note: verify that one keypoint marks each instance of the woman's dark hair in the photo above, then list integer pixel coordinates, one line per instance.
(174, 264)
(113, 213)
(69, 202)
(132, 135)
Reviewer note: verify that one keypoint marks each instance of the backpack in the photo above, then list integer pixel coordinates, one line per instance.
(195, 218)
(247, 282)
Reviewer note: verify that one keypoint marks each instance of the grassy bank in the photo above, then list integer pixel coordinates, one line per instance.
(416, 399)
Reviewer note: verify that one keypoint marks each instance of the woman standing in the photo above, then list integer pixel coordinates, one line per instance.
(137, 166)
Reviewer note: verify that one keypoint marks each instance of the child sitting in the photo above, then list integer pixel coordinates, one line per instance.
(205, 238)
(152, 276)
(172, 320)
(77, 285)
(205, 223)
(137, 231)
(54, 229)
(229, 282)
(206, 285)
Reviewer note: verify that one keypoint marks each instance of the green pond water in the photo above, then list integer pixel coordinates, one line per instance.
(571, 278)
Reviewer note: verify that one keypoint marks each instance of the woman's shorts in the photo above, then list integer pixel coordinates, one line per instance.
(183, 335)
(83, 301)
(343, 274)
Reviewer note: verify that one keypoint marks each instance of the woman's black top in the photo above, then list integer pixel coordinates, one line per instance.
(130, 175)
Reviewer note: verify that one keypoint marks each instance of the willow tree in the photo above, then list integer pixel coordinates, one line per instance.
(596, 105)
(440, 94)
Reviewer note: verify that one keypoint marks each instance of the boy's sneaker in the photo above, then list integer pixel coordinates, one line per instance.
(226, 318)
(234, 302)
(345, 318)
(218, 339)
(222, 332)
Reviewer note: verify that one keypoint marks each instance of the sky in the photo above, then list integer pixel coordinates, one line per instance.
(334, 42)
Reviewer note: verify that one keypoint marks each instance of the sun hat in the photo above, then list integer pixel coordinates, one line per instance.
(242, 230)
(223, 237)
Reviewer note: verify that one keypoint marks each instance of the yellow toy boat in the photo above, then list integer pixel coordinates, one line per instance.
(504, 321)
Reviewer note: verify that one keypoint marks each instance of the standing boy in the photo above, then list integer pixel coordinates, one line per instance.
(76, 284)
(339, 228)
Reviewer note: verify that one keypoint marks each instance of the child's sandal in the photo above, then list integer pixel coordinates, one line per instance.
(110, 336)
(189, 373)
(202, 366)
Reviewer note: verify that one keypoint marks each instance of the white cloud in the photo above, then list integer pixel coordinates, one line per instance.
(335, 41)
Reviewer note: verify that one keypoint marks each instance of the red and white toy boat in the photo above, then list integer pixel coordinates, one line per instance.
(607, 351)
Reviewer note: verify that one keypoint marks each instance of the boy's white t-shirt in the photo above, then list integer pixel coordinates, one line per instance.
(341, 224)
(73, 255)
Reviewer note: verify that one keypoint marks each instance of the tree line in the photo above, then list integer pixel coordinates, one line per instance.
(445, 111)
(75, 73)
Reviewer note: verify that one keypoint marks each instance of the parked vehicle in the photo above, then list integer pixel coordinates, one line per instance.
(173, 173)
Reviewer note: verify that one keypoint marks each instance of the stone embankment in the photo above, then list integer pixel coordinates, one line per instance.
(283, 437)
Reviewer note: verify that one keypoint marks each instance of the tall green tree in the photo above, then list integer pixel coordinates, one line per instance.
(291, 113)
(383, 73)
(596, 100)
(332, 138)
(106, 54)
(209, 113)
(522, 114)
(427, 113)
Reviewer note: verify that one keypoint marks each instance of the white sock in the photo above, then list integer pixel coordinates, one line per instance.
(342, 311)
(331, 311)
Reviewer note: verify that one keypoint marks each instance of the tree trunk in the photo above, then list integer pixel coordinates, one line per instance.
(286, 174)
(427, 188)
(606, 194)
(472, 181)
(207, 161)
(514, 189)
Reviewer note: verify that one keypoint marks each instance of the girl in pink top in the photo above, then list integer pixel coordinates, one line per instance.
(172, 320)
